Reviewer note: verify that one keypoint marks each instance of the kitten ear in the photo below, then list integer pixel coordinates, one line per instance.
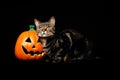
(37, 22)
(52, 21)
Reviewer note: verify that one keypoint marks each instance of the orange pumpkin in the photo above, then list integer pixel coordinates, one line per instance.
(28, 46)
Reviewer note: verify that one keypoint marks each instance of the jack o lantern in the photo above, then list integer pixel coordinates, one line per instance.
(28, 46)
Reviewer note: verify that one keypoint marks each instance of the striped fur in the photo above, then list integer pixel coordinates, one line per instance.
(67, 46)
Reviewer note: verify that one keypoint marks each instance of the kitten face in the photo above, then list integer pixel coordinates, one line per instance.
(45, 29)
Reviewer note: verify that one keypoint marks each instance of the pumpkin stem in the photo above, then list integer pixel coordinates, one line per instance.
(31, 27)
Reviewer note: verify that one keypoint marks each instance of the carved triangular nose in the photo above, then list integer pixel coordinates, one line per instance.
(33, 46)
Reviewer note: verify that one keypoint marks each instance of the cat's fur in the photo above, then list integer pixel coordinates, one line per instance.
(45, 30)
(67, 46)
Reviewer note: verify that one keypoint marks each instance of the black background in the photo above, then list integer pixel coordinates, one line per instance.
(89, 19)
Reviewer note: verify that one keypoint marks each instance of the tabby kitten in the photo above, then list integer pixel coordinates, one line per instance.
(45, 30)
(66, 46)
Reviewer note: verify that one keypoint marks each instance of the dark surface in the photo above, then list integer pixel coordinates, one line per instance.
(15, 20)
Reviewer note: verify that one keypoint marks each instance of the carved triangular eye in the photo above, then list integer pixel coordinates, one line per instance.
(28, 40)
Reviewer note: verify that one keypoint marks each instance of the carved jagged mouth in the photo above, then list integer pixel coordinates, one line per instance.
(31, 52)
